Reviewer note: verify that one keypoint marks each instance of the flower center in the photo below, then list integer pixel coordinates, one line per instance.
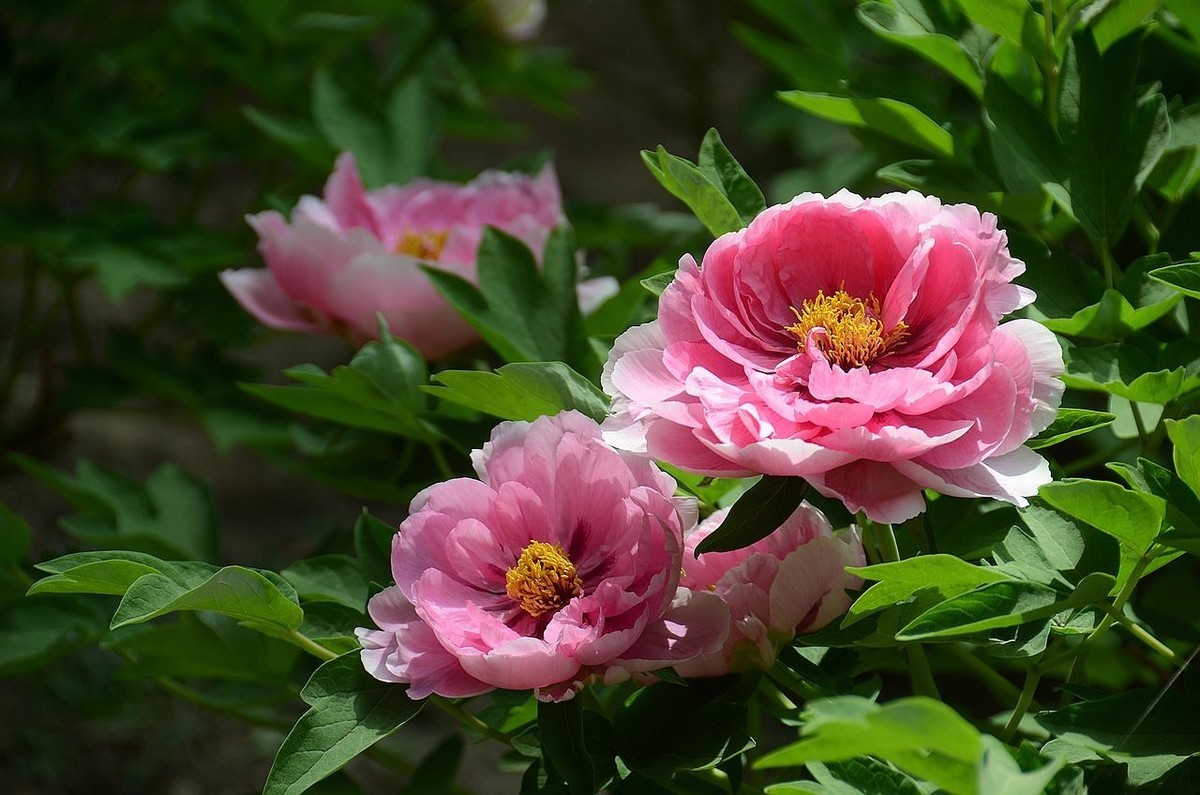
(854, 334)
(543, 580)
(422, 245)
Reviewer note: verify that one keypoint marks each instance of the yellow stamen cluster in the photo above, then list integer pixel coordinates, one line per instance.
(854, 334)
(543, 580)
(422, 245)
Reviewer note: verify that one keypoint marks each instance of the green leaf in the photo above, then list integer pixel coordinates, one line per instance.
(886, 116)
(1027, 150)
(1120, 18)
(524, 314)
(560, 726)
(943, 575)
(234, 591)
(170, 516)
(657, 283)
(1149, 731)
(666, 728)
(379, 390)
(718, 164)
(686, 182)
(923, 737)
(392, 142)
(1185, 435)
(1014, 20)
(329, 578)
(37, 630)
(1001, 604)
(1123, 370)
(14, 535)
(897, 25)
(1112, 135)
(206, 647)
(1139, 302)
(1070, 423)
(112, 573)
(863, 776)
(1133, 519)
(373, 545)
(756, 514)
(958, 182)
(1001, 774)
(120, 270)
(350, 712)
(1184, 277)
(300, 137)
(522, 391)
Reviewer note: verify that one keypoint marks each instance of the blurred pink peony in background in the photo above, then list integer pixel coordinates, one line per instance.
(853, 342)
(791, 582)
(354, 253)
(558, 566)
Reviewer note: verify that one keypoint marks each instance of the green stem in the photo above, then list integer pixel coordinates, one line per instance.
(1014, 722)
(790, 682)
(1050, 70)
(1118, 605)
(311, 646)
(1110, 267)
(920, 673)
(1140, 424)
(469, 720)
(1145, 637)
(440, 459)
(1001, 687)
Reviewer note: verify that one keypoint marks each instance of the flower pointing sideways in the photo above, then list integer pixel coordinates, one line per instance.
(355, 253)
(791, 582)
(853, 342)
(559, 566)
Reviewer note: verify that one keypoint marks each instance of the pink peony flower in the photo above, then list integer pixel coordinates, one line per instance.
(852, 342)
(355, 253)
(790, 582)
(559, 565)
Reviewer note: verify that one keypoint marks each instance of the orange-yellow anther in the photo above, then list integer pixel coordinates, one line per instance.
(854, 335)
(422, 245)
(543, 580)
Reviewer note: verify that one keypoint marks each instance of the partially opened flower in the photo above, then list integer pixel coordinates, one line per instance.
(558, 566)
(853, 342)
(355, 253)
(791, 582)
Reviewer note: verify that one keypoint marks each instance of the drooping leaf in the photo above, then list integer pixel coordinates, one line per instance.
(756, 514)
(350, 712)
(882, 115)
(245, 594)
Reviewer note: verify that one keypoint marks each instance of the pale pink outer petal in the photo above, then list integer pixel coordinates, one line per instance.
(406, 650)
(259, 294)
(394, 285)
